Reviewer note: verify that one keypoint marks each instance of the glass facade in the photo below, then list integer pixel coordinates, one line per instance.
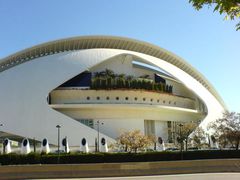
(87, 122)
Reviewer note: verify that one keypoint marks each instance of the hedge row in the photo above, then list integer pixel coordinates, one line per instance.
(119, 83)
(33, 158)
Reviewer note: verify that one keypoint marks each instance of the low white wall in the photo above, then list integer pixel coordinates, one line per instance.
(114, 127)
(120, 97)
(161, 130)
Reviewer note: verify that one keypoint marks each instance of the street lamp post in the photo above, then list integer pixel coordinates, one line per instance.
(181, 139)
(34, 145)
(180, 132)
(98, 123)
(58, 127)
(2, 140)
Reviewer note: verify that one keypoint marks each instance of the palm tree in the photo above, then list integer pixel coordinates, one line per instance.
(109, 73)
(97, 74)
(121, 81)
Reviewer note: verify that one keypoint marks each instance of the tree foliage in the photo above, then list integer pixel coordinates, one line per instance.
(198, 137)
(230, 7)
(184, 132)
(227, 129)
(132, 141)
(108, 80)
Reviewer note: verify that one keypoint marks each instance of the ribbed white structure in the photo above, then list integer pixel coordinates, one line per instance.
(7, 146)
(45, 146)
(103, 145)
(84, 146)
(25, 147)
(29, 76)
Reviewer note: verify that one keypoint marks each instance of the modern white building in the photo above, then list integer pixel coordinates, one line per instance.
(110, 84)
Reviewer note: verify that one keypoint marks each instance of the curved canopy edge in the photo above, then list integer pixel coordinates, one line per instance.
(111, 42)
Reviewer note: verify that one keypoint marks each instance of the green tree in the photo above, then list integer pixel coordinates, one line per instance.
(184, 132)
(227, 129)
(198, 137)
(109, 73)
(229, 7)
(133, 141)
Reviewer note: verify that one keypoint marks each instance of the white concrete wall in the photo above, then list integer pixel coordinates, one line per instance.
(123, 65)
(25, 87)
(114, 127)
(153, 98)
(151, 112)
(161, 130)
(180, 89)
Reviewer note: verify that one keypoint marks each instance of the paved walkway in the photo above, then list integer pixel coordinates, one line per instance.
(226, 168)
(205, 176)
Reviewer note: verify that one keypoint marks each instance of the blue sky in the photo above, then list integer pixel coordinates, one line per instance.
(202, 38)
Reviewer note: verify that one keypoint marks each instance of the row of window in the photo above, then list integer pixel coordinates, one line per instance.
(126, 98)
(87, 122)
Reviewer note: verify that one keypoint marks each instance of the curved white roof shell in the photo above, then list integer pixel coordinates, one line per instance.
(27, 78)
(106, 42)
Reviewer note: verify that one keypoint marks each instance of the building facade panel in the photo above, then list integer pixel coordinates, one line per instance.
(33, 101)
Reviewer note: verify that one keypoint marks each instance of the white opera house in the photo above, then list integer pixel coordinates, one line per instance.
(101, 83)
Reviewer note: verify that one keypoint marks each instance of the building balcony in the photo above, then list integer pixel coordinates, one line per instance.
(127, 97)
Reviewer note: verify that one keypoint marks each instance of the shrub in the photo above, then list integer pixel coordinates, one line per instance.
(108, 80)
(77, 158)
